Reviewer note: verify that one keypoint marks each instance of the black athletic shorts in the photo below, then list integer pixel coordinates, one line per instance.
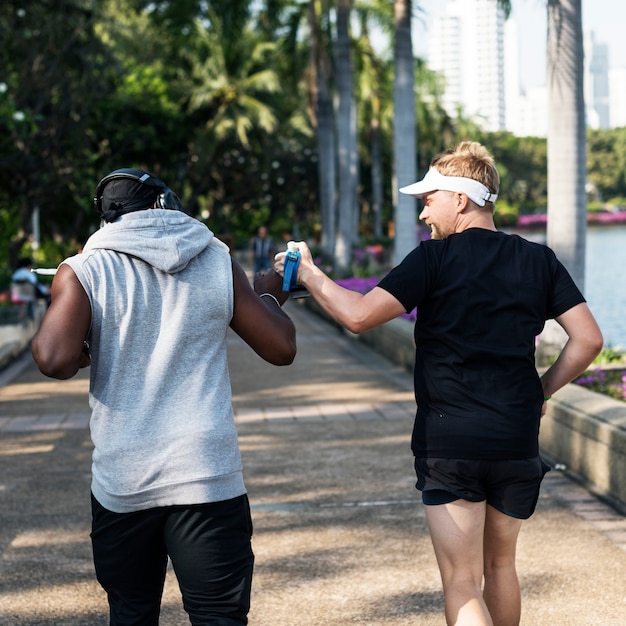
(511, 487)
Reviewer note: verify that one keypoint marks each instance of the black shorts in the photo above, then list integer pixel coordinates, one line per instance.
(511, 487)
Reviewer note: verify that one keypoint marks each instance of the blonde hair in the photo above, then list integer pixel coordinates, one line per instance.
(469, 159)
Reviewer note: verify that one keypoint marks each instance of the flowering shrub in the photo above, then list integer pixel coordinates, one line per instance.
(368, 261)
(363, 285)
(611, 382)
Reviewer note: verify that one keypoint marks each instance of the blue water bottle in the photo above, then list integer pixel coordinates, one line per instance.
(292, 260)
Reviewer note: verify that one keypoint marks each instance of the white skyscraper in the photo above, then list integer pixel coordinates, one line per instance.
(478, 54)
(533, 113)
(617, 97)
(596, 83)
(526, 109)
(527, 112)
(512, 80)
(467, 47)
(445, 57)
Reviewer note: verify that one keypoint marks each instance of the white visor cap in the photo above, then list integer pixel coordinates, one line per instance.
(434, 181)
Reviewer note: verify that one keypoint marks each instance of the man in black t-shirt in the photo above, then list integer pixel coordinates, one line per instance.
(482, 298)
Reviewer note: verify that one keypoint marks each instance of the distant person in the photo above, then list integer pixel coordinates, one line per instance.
(286, 237)
(149, 304)
(24, 274)
(262, 250)
(482, 298)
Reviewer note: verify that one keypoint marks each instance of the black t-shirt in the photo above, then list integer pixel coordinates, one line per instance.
(482, 298)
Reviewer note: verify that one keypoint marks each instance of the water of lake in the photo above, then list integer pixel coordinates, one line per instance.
(605, 279)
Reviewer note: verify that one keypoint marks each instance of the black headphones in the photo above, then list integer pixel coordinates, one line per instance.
(166, 198)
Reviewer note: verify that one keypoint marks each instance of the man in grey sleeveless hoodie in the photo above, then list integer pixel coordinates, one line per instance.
(148, 305)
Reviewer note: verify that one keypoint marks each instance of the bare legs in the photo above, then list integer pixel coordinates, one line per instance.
(501, 591)
(472, 540)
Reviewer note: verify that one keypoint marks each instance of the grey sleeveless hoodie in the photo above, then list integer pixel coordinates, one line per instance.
(161, 291)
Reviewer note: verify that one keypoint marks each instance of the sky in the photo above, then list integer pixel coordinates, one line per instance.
(606, 18)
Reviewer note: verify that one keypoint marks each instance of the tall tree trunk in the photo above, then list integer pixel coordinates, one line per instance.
(567, 205)
(346, 130)
(404, 132)
(377, 169)
(324, 125)
(354, 171)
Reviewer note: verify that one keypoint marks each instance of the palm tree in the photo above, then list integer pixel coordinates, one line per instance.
(234, 94)
(234, 85)
(302, 29)
(347, 234)
(404, 132)
(322, 116)
(567, 206)
(566, 229)
(374, 76)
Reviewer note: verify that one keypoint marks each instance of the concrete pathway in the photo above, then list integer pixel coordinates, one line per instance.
(340, 534)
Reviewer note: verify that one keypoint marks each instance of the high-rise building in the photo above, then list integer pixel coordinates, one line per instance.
(617, 97)
(467, 47)
(445, 57)
(512, 78)
(478, 53)
(596, 83)
(533, 113)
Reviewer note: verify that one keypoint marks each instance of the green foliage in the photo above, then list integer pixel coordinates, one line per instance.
(215, 98)
(506, 214)
(9, 225)
(522, 163)
(606, 161)
(609, 354)
(611, 382)
(606, 376)
(436, 130)
(595, 207)
(50, 73)
(5, 277)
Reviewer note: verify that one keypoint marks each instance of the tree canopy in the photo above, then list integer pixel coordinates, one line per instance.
(218, 99)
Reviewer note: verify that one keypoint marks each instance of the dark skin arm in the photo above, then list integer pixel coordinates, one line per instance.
(59, 347)
(259, 321)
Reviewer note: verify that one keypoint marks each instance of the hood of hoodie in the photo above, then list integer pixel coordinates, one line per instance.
(165, 239)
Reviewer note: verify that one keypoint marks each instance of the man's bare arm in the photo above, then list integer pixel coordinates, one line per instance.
(260, 321)
(583, 345)
(354, 311)
(59, 346)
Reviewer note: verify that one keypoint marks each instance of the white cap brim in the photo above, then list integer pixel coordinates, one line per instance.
(434, 181)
